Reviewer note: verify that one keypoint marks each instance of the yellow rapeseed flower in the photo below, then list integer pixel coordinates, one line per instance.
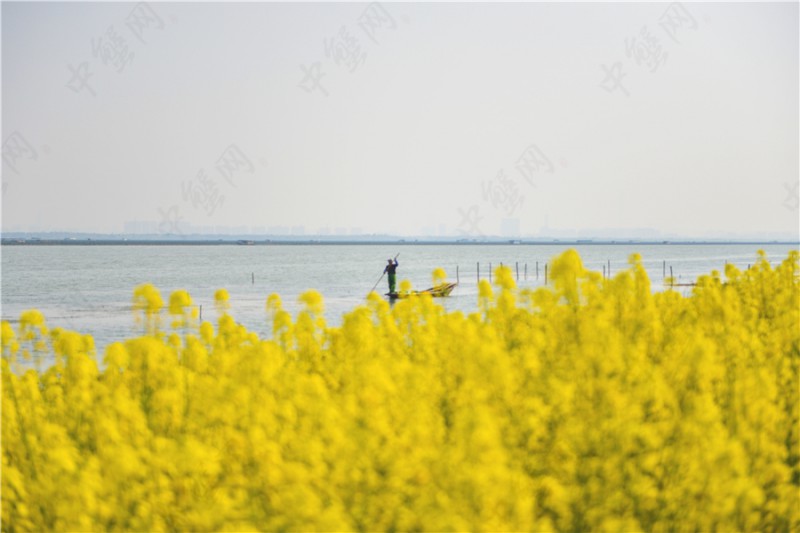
(222, 301)
(589, 404)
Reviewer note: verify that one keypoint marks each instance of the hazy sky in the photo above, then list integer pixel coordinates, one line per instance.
(403, 118)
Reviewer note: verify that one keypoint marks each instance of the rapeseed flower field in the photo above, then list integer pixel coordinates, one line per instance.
(588, 405)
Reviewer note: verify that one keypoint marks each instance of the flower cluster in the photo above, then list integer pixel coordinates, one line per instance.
(589, 404)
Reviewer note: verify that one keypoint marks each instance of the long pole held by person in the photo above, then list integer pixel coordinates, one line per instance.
(384, 273)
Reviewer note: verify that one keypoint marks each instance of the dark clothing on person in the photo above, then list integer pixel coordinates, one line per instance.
(391, 269)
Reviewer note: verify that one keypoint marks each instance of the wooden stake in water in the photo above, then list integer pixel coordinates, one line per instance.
(517, 270)
(604, 272)
(537, 269)
(201, 313)
(609, 268)
(545, 273)
(664, 273)
(457, 280)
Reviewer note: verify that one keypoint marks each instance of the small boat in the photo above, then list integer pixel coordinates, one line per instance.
(438, 291)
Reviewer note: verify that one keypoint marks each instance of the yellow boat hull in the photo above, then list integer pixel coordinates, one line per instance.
(439, 291)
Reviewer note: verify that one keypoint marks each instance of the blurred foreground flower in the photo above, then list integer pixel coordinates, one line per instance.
(589, 405)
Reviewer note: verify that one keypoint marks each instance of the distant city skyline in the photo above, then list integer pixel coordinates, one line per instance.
(150, 229)
(451, 119)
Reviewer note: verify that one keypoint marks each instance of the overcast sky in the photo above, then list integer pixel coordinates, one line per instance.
(402, 118)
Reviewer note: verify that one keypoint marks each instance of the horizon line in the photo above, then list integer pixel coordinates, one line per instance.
(89, 238)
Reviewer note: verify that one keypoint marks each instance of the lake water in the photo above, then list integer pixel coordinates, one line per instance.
(89, 288)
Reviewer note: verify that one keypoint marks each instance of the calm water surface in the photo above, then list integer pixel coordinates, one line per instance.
(89, 288)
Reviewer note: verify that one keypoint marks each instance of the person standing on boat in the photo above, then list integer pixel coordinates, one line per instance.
(391, 269)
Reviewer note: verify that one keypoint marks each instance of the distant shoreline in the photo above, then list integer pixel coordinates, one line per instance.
(367, 242)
